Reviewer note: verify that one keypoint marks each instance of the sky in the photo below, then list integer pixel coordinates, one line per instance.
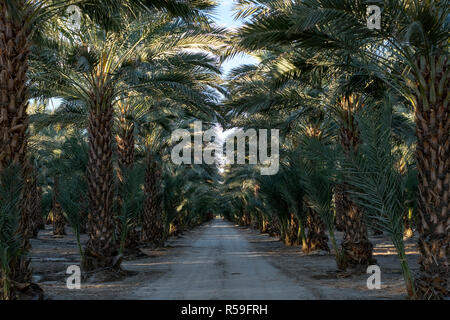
(224, 17)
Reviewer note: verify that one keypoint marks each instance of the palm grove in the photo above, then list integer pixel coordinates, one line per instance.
(363, 114)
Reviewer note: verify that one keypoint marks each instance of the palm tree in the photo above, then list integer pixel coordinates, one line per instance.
(379, 183)
(153, 222)
(158, 65)
(58, 220)
(21, 25)
(277, 92)
(410, 53)
(190, 76)
(190, 195)
(31, 201)
(19, 28)
(418, 43)
(316, 239)
(70, 168)
(98, 69)
(154, 139)
(288, 72)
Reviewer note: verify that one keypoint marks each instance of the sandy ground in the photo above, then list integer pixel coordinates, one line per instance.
(219, 260)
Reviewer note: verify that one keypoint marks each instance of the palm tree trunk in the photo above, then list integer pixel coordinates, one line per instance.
(59, 223)
(14, 51)
(100, 249)
(339, 206)
(38, 221)
(32, 203)
(316, 239)
(264, 224)
(245, 218)
(258, 221)
(125, 138)
(125, 149)
(273, 227)
(291, 236)
(433, 164)
(28, 203)
(152, 213)
(356, 247)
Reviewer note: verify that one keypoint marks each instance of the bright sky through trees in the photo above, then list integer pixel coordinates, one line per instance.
(224, 16)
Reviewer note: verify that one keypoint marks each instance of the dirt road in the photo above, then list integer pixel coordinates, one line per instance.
(221, 264)
(220, 260)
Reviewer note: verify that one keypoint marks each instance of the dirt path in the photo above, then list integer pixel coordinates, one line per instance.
(220, 260)
(222, 264)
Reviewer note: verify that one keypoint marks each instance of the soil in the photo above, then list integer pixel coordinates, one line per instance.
(219, 260)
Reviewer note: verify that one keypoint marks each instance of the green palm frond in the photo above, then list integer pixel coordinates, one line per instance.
(10, 240)
(378, 185)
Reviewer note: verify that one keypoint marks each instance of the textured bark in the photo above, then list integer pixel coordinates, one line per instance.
(245, 219)
(49, 219)
(32, 203)
(291, 237)
(28, 202)
(175, 227)
(316, 238)
(264, 224)
(432, 117)
(356, 247)
(152, 211)
(273, 227)
(59, 222)
(100, 251)
(125, 152)
(257, 221)
(38, 220)
(20, 272)
(124, 137)
(339, 206)
(14, 51)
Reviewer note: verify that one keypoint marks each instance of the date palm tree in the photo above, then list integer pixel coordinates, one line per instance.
(410, 53)
(97, 70)
(22, 24)
(290, 90)
(290, 71)
(379, 160)
(152, 216)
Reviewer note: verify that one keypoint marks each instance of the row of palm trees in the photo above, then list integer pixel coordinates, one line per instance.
(365, 119)
(131, 73)
(363, 114)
